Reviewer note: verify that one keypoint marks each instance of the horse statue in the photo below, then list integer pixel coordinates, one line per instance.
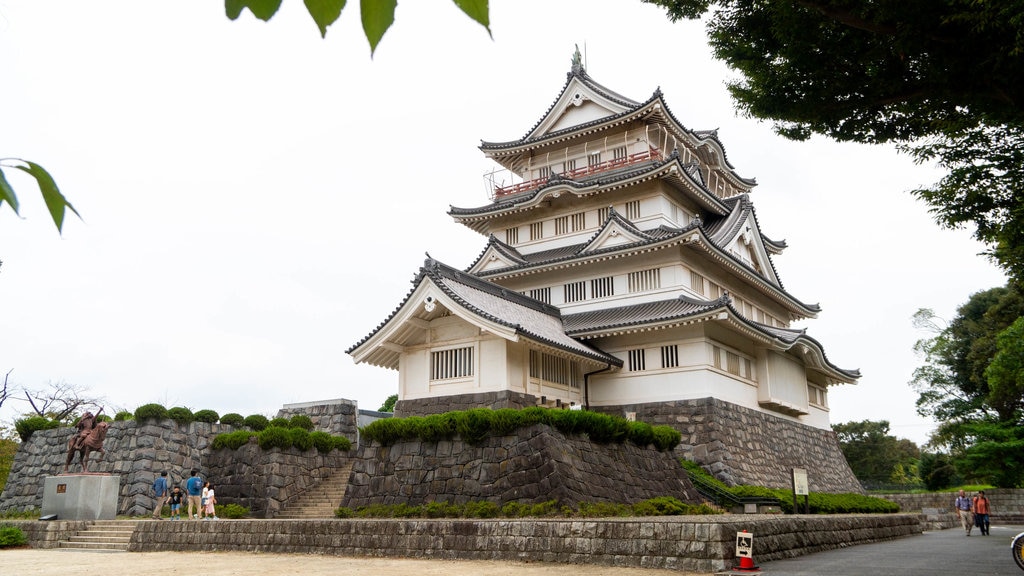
(88, 439)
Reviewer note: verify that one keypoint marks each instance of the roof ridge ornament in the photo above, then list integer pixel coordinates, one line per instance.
(577, 62)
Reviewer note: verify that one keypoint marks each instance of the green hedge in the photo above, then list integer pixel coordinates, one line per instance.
(233, 419)
(208, 416)
(277, 437)
(472, 426)
(26, 426)
(661, 506)
(150, 412)
(183, 416)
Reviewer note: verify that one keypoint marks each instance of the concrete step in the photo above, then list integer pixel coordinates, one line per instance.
(102, 535)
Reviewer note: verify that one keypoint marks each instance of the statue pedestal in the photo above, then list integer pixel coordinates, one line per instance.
(81, 496)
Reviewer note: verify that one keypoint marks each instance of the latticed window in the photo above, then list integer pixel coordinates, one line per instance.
(544, 172)
(637, 360)
(512, 236)
(579, 221)
(561, 225)
(554, 369)
(817, 396)
(575, 291)
(697, 282)
(536, 231)
(602, 287)
(670, 356)
(643, 280)
(568, 166)
(633, 210)
(594, 159)
(732, 362)
(542, 294)
(603, 214)
(619, 153)
(451, 363)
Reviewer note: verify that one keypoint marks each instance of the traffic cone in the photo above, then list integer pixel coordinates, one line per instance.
(747, 564)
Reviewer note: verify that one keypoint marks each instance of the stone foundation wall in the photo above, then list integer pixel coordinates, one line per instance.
(266, 481)
(743, 446)
(337, 417)
(535, 464)
(441, 404)
(1007, 504)
(690, 543)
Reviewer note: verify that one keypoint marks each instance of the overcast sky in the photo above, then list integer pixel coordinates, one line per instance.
(255, 199)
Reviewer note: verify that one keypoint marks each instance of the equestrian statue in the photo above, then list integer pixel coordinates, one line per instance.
(88, 438)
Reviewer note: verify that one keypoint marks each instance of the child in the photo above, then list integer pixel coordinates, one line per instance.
(176, 497)
(211, 499)
(202, 503)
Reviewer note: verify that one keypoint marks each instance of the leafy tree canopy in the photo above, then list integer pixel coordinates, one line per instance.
(943, 79)
(874, 455)
(389, 404)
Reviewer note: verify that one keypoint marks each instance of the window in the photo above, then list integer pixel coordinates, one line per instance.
(637, 360)
(602, 287)
(697, 283)
(554, 369)
(633, 210)
(619, 153)
(575, 292)
(732, 362)
(571, 223)
(603, 214)
(593, 159)
(542, 294)
(561, 225)
(512, 236)
(817, 396)
(536, 231)
(644, 280)
(670, 356)
(568, 166)
(579, 221)
(544, 172)
(451, 363)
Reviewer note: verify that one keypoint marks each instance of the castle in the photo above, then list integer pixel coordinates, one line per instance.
(625, 271)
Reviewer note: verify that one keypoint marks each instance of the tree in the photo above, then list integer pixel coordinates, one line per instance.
(874, 455)
(389, 404)
(56, 203)
(972, 382)
(944, 80)
(60, 401)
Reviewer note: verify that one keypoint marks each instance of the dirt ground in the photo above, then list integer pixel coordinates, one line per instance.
(33, 562)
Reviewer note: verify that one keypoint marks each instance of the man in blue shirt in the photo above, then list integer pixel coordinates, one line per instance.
(194, 488)
(160, 491)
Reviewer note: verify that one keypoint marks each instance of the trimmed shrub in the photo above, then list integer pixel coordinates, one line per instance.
(232, 440)
(26, 426)
(183, 416)
(342, 443)
(301, 421)
(256, 422)
(12, 536)
(123, 416)
(300, 439)
(279, 422)
(232, 511)
(208, 416)
(274, 437)
(641, 434)
(150, 412)
(233, 419)
(322, 441)
(102, 418)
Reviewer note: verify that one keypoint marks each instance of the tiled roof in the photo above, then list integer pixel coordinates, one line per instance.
(639, 314)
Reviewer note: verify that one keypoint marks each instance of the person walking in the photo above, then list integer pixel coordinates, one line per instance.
(962, 504)
(194, 489)
(982, 509)
(160, 492)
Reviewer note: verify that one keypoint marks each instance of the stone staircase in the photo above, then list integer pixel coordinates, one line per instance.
(321, 500)
(112, 535)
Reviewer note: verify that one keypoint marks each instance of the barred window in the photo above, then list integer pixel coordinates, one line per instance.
(633, 210)
(512, 236)
(554, 369)
(619, 153)
(732, 362)
(602, 287)
(542, 294)
(817, 396)
(644, 280)
(670, 356)
(568, 166)
(536, 231)
(603, 214)
(575, 291)
(697, 283)
(544, 172)
(561, 225)
(579, 221)
(637, 360)
(451, 363)
(594, 159)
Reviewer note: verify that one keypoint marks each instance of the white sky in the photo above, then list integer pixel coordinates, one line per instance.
(255, 199)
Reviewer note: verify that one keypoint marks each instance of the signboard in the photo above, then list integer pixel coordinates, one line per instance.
(800, 482)
(744, 545)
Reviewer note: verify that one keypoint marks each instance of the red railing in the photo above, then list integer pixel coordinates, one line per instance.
(651, 153)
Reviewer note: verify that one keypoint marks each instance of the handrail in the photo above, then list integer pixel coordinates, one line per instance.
(652, 153)
(726, 498)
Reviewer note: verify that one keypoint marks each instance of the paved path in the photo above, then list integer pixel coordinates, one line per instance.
(930, 554)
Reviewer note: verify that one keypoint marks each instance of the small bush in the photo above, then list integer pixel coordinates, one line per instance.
(233, 419)
(279, 422)
(661, 506)
(481, 509)
(301, 421)
(208, 416)
(123, 416)
(341, 443)
(12, 536)
(232, 440)
(232, 511)
(183, 416)
(300, 439)
(103, 418)
(150, 412)
(274, 437)
(322, 441)
(256, 422)
(26, 426)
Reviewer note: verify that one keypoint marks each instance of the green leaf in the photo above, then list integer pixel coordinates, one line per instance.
(262, 9)
(7, 193)
(377, 16)
(55, 201)
(324, 13)
(477, 10)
